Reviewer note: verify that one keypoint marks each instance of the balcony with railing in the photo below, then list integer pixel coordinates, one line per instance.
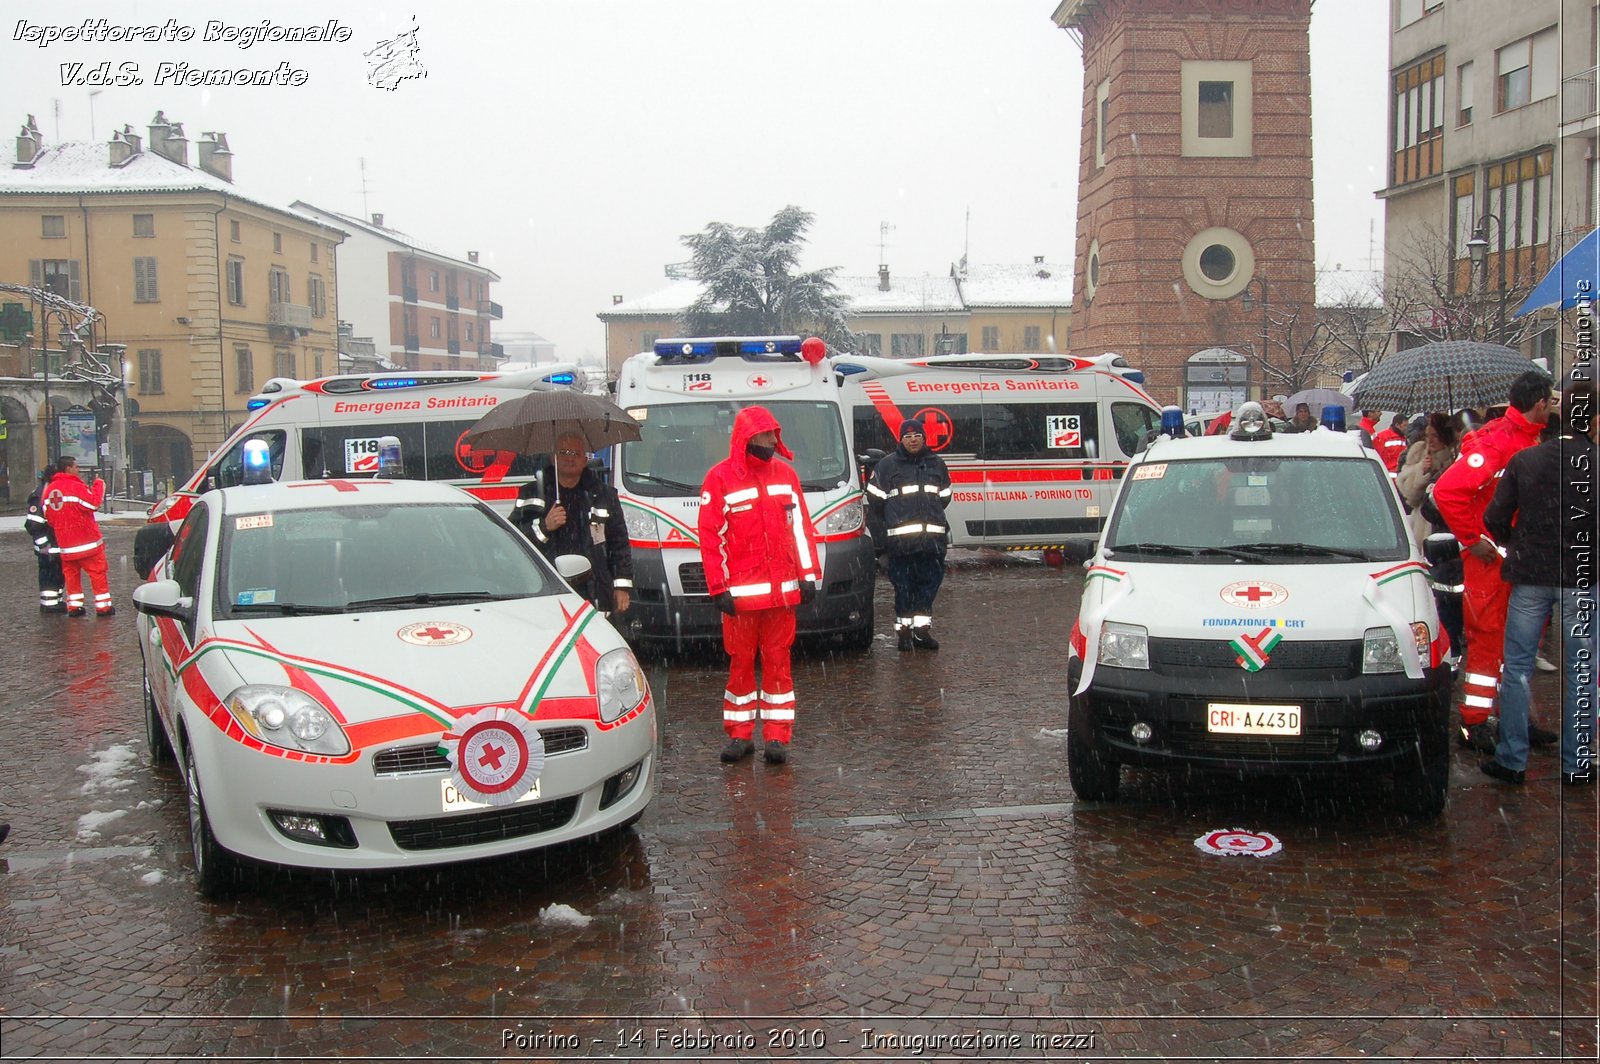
(452, 302)
(453, 346)
(291, 316)
(487, 308)
(1578, 99)
(408, 293)
(490, 350)
(359, 347)
(413, 342)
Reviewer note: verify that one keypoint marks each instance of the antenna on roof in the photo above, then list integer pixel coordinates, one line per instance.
(884, 229)
(364, 212)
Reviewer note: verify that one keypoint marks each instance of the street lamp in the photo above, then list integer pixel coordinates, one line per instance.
(1478, 249)
(1248, 301)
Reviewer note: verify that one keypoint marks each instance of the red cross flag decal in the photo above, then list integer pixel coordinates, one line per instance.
(496, 755)
(1254, 594)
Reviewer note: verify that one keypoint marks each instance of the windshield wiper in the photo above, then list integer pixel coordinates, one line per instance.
(665, 481)
(1153, 548)
(1312, 549)
(426, 598)
(288, 609)
(1232, 552)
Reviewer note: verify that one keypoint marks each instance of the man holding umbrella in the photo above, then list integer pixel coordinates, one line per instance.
(570, 510)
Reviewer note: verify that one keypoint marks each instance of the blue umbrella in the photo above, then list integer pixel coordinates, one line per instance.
(1577, 272)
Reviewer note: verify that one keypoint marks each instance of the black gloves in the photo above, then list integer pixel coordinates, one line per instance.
(808, 591)
(724, 603)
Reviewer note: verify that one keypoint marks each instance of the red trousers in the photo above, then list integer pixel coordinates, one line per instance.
(1483, 610)
(73, 568)
(769, 633)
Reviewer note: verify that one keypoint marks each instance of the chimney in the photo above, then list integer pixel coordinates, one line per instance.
(472, 256)
(1038, 260)
(215, 158)
(615, 300)
(125, 145)
(377, 220)
(28, 144)
(167, 139)
(883, 277)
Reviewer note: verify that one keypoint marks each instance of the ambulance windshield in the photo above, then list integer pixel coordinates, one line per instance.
(682, 441)
(1268, 510)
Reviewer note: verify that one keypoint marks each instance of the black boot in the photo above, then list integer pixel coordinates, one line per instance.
(737, 750)
(776, 753)
(904, 639)
(923, 637)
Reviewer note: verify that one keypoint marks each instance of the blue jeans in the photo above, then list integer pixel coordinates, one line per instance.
(1530, 607)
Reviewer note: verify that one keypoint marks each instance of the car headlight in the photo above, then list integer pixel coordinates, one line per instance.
(847, 518)
(620, 683)
(287, 718)
(1124, 646)
(641, 525)
(1380, 651)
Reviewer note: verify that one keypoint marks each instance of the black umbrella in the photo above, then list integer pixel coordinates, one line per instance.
(1446, 375)
(532, 423)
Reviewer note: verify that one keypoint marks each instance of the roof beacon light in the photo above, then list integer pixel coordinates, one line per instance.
(560, 378)
(389, 465)
(1172, 422)
(1333, 417)
(257, 403)
(257, 460)
(1250, 423)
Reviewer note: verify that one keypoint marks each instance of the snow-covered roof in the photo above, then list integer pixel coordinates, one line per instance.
(1034, 284)
(664, 302)
(393, 236)
(918, 294)
(82, 167)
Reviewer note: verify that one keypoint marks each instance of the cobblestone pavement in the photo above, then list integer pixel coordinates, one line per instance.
(916, 884)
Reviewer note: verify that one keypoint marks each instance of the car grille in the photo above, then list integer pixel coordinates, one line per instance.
(1332, 655)
(692, 575)
(494, 825)
(427, 758)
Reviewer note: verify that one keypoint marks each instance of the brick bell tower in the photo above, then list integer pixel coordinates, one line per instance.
(1194, 190)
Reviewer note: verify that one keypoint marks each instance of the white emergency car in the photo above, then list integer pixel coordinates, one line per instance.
(685, 394)
(1257, 605)
(1035, 444)
(377, 674)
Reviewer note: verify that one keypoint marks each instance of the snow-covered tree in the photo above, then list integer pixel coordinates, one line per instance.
(754, 287)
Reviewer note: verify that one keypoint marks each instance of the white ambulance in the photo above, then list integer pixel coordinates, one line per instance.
(685, 394)
(1256, 605)
(1035, 444)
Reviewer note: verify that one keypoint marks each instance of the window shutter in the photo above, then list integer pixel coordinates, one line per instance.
(35, 274)
(76, 289)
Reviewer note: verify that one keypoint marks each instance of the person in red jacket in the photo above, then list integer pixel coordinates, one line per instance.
(1391, 443)
(760, 556)
(69, 507)
(1461, 494)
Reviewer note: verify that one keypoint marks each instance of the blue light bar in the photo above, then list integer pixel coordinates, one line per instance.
(845, 369)
(705, 349)
(1172, 422)
(392, 382)
(256, 404)
(1136, 376)
(560, 378)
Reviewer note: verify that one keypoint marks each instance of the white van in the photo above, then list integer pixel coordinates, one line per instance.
(330, 427)
(1256, 605)
(685, 393)
(1035, 444)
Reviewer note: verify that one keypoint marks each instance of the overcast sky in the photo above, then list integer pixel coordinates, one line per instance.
(573, 142)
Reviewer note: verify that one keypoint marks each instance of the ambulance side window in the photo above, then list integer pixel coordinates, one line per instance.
(352, 450)
(450, 458)
(1040, 430)
(1131, 422)
(229, 470)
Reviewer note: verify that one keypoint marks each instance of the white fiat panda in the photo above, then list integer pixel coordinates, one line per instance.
(1256, 605)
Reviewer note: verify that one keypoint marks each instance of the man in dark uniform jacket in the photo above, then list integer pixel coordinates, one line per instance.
(577, 513)
(52, 584)
(911, 487)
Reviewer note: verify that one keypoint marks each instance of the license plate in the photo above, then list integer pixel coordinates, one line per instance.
(453, 799)
(1224, 718)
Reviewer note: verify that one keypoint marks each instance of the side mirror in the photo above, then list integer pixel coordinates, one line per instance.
(573, 567)
(163, 598)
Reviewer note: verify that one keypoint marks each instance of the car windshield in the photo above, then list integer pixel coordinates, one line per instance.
(341, 558)
(1273, 510)
(681, 441)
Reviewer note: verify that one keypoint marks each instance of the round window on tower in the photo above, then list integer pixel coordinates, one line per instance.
(1091, 273)
(1218, 263)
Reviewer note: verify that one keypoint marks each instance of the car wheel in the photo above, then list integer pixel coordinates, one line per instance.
(1094, 776)
(1423, 790)
(860, 637)
(157, 749)
(215, 869)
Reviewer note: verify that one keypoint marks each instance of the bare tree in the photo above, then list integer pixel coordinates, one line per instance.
(1431, 295)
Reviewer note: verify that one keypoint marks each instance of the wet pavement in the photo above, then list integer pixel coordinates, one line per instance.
(917, 883)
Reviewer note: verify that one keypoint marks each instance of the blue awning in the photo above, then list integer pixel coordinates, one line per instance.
(1575, 274)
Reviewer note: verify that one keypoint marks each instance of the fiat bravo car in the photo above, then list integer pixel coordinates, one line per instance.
(378, 674)
(1256, 605)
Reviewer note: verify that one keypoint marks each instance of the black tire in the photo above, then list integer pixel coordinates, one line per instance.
(860, 637)
(1094, 777)
(157, 747)
(1425, 788)
(216, 871)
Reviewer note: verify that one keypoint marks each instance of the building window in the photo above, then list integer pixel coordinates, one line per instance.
(316, 362)
(277, 286)
(149, 372)
(433, 280)
(905, 345)
(277, 243)
(1408, 11)
(1464, 94)
(236, 282)
(1102, 115)
(57, 275)
(282, 362)
(433, 328)
(53, 226)
(144, 280)
(1217, 108)
(1594, 191)
(1419, 120)
(469, 333)
(313, 251)
(316, 296)
(144, 225)
(1527, 70)
(1518, 193)
(871, 343)
(647, 341)
(244, 369)
(991, 337)
(233, 232)
(1030, 338)
(1463, 217)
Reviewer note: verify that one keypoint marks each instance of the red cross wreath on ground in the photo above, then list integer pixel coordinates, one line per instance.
(496, 755)
(1237, 842)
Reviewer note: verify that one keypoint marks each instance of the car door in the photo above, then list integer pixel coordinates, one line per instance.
(185, 565)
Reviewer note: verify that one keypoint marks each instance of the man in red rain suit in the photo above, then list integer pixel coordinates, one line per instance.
(69, 506)
(1461, 494)
(760, 557)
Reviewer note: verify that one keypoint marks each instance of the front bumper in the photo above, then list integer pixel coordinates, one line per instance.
(1411, 716)
(391, 799)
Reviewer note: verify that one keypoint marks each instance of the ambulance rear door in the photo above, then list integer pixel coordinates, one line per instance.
(1042, 471)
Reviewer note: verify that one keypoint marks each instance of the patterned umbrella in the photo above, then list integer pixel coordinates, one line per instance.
(1446, 375)
(532, 423)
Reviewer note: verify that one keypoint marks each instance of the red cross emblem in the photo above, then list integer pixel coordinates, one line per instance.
(938, 429)
(336, 485)
(492, 756)
(435, 633)
(759, 381)
(432, 632)
(1253, 593)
